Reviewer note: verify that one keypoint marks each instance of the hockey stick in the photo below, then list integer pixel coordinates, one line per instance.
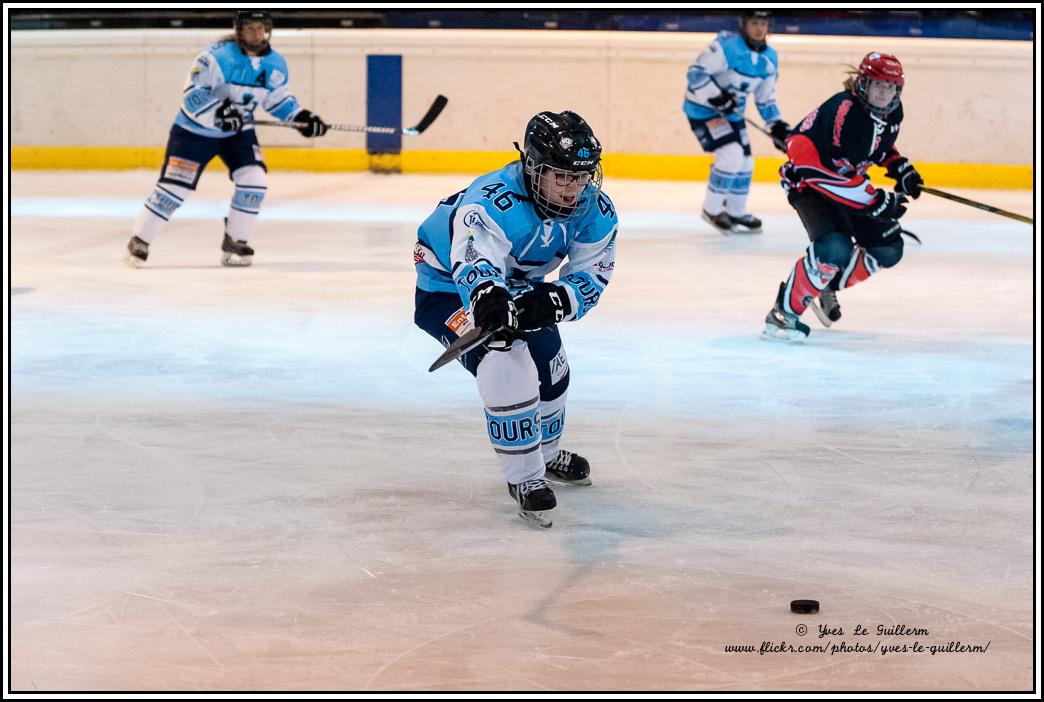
(467, 341)
(429, 117)
(973, 203)
(775, 142)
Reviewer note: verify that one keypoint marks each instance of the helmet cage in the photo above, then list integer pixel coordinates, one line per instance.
(540, 177)
(880, 67)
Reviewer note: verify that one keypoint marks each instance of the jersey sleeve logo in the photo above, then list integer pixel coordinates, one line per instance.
(277, 77)
(839, 120)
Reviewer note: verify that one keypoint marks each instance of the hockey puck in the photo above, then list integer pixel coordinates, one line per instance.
(804, 606)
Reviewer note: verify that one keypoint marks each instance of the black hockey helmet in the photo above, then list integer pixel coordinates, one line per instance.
(245, 16)
(746, 16)
(563, 143)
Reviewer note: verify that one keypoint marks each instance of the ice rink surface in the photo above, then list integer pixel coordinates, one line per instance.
(247, 479)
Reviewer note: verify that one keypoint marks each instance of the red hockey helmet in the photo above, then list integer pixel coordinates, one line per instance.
(882, 67)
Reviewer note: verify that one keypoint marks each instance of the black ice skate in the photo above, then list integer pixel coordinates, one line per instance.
(781, 325)
(535, 500)
(746, 224)
(827, 308)
(721, 221)
(137, 252)
(235, 253)
(569, 468)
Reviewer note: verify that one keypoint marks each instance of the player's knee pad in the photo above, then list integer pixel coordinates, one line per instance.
(834, 248)
(730, 158)
(888, 254)
(251, 185)
(510, 390)
(166, 198)
(554, 375)
(507, 377)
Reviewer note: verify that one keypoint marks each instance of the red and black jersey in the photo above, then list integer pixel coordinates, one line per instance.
(832, 148)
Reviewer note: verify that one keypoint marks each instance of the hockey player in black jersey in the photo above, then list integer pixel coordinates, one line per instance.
(853, 225)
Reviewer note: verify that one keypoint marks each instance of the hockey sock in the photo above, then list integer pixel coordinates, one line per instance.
(739, 189)
(165, 199)
(809, 277)
(251, 186)
(552, 423)
(717, 189)
(860, 267)
(510, 389)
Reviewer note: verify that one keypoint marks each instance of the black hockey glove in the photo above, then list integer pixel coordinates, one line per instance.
(492, 308)
(544, 305)
(724, 103)
(779, 131)
(887, 205)
(228, 118)
(907, 180)
(310, 125)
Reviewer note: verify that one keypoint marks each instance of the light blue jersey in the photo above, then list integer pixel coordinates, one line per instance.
(491, 231)
(728, 64)
(224, 71)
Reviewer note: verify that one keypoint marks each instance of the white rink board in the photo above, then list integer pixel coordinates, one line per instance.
(628, 85)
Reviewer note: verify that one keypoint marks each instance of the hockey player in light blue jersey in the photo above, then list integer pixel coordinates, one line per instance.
(226, 84)
(481, 260)
(733, 66)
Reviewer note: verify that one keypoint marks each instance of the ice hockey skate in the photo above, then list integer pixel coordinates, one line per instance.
(535, 501)
(721, 221)
(781, 325)
(137, 252)
(569, 468)
(235, 253)
(827, 308)
(745, 224)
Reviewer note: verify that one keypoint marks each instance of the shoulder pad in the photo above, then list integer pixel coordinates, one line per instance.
(275, 60)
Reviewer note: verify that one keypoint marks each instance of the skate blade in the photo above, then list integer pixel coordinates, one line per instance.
(133, 261)
(738, 230)
(773, 333)
(235, 261)
(710, 221)
(555, 479)
(540, 519)
(821, 315)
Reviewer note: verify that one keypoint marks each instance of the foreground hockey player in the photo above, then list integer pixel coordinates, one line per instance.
(853, 225)
(226, 84)
(719, 80)
(490, 247)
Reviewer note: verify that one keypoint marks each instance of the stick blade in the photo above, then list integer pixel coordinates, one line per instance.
(433, 112)
(461, 346)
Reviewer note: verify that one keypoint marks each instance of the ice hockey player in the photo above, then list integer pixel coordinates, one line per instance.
(852, 224)
(733, 66)
(490, 247)
(226, 84)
